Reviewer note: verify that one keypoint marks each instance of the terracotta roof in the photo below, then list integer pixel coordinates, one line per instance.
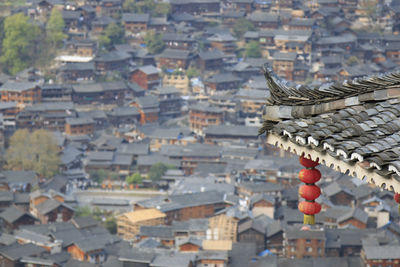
(143, 215)
(353, 126)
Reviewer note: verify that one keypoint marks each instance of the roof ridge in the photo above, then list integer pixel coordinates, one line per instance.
(282, 94)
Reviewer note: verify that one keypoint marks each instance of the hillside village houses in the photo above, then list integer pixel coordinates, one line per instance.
(227, 198)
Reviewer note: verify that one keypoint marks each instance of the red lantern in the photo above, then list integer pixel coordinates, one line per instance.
(309, 176)
(308, 163)
(309, 192)
(309, 208)
(397, 198)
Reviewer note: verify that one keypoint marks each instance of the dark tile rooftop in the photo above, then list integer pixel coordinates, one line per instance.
(175, 202)
(11, 214)
(137, 18)
(19, 86)
(356, 122)
(175, 54)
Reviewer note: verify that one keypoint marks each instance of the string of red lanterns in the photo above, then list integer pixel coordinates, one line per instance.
(309, 191)
(397, 199)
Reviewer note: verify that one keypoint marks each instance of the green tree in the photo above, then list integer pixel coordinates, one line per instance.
(353, 60)
(242, 26)
(113, 176)
(212, 23)
(253, 50)
(157, 171)
(147, 6)
(161, 9)
(111, 224)
(36, 151)
(100, 175)
(18, 49)
(113, 34)
(154, 42)
(1, 31)
(192, 72)
(83, 211)
(55, 29)
(134, 178)
(370, 7)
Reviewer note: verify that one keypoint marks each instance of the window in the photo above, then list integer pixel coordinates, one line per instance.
(293, 249)
(309, 249)
(308, 241)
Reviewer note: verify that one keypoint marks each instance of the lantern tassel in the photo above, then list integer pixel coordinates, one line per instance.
(309, 219)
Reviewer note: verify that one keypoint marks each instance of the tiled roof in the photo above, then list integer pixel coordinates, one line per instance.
(159, 231)
(131, 17)
(49, 205)
(381, 252)
(354, 126)
(176, 202)
(12, 214)
(19, 86)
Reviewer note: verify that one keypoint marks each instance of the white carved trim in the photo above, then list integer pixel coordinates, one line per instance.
(393, 169)
(341, 152)
(357, 157)
(287, 133)
(312, 140)
(301, 140)
(328, 146)
(353, 169)
(373, 164)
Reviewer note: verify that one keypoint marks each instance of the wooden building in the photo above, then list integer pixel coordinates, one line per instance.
(75, 72)
(189, 244)
(178, 41)
(174, 59)
(252, 231)
(148, 107)
(82, 48)
(52, 210)
(110, 8)
(380, 255)
(187, 206)
(222, 82)
(302, 24)
(100, 23)
(299, 44)
(251, 101)
(14, 217)
(23, 93)
(112, 61)
(195, 7)
(178, 81)
(225, 226)
(135, 23)
(263, 20)
(170, 101)
(56, 93)
(106, 93)
(128, 224)
(50, 116)
(89, 250)
(303, 244)
(147, 77)
(202, 116)
(210, 60)
(223, 42)
(79, 126)
(283, 64)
